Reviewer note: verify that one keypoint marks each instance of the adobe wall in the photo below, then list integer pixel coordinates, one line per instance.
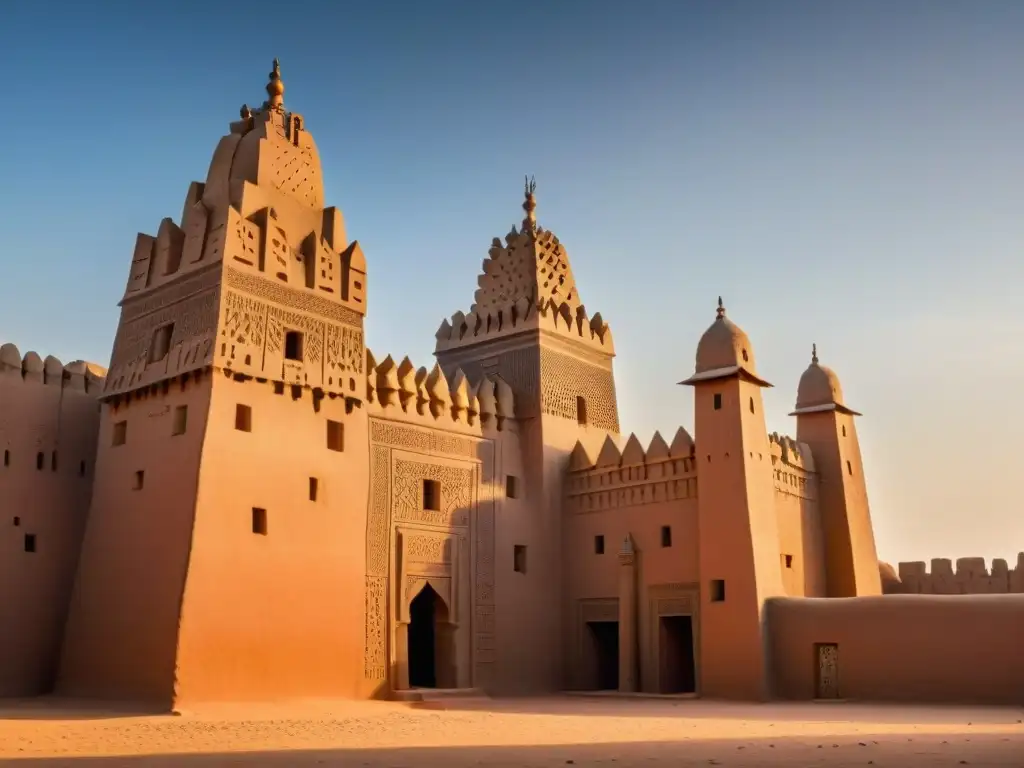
(916, 648)
(635, 493)
(801, 547)
(971, 577)
(49, 418)
(276, 612)
(122, 626)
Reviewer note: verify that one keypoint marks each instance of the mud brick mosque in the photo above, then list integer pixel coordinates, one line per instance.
(249, 504)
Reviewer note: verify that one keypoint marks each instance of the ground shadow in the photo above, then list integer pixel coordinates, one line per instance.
(62, 708)
(931, 751)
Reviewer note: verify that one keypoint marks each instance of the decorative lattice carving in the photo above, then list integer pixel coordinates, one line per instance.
(564, 378)
(456, 493)
(279, 320)
(245, 320)
(378, 519)
(301, 300)
(171, 293)
(428, 549)
(375, 666)
(344, 349)
(422, 440)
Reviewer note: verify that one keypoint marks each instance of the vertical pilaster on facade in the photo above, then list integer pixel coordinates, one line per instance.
(628, 656)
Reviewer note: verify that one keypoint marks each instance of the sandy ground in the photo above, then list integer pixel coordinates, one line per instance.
(556, 731)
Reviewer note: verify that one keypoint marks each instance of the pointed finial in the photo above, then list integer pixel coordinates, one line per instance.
(275, 88)
(814, 354)
(530, 205)
(720, 312)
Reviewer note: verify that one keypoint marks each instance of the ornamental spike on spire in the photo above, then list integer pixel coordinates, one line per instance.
(275, 88)
(530, 205)
(720, 312)
(814, 354)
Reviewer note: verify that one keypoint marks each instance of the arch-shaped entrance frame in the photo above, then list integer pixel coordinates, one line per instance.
(426, 642)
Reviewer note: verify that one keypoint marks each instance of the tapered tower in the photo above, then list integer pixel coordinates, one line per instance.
(826, 424)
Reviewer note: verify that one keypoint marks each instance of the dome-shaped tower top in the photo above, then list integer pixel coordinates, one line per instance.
(819, 389)
(723, 351)
(275, 88)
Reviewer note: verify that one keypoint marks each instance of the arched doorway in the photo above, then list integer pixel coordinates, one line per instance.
(428, 641)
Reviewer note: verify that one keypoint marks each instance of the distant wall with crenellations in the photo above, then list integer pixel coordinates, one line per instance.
(49, 421)
(971, 576)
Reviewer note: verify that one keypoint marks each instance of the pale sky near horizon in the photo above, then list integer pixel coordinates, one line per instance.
(846, 173)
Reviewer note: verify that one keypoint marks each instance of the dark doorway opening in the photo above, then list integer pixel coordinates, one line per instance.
(423, 639)
(604, 640)
(678, 667)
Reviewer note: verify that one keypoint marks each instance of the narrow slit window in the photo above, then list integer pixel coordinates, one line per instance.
(7, 458)
(511, 487)
(599, 545)
(53, 461)
(243, 418)
(666, 535)
(314, 488)
(30, 542)
(180, 420)
(40, 460)
(519, 558)
(139, 481)
(718, 401)
(81, 468)
(120, 433)
(259, 521)
(788, 560)
(581, 410)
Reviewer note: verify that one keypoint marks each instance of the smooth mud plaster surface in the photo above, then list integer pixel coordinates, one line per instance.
(556, 731)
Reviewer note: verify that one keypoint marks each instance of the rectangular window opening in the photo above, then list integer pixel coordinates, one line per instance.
(581, 410)
(259, 521)
(432, 495)
(666, 535)
(53, 461)
(511, 491)
(81, 468)
(161, 344)
(120, 433)
(314, 488)
(788, 560)
(335, 436)
(718, 401)
(243, 418)
(40, 460)
(718, 590)
(180, 420)
(293, 345)
(599, 545)
(519, 558)
(30, 542)
(7, 458)
(140, 480)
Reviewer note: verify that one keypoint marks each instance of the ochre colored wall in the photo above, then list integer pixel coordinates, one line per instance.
(970, 577)
(281, 614)
(122, 628)
(51, 416)
(903, 647)
(800, 538)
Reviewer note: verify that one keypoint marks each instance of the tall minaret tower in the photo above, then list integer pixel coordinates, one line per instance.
(737, 528)
(825, 423)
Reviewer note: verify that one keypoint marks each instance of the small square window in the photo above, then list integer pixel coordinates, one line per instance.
(788, 559)
(718, 590)
(519, 558)
(243, 418)
(511, 489)
(314, 488)
(120, 433)
(140, 480)
(293, 345)
(666, 535)
(180, 420)
(599, 545)
(718, 401)
(259, 521)
(30, 542)
(432, 495)
(335, 436)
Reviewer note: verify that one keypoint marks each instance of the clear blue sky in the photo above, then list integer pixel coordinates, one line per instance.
(846, 173)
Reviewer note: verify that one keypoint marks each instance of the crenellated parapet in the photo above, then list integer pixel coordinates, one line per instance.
(793, 466)
(631, 476)
(32, 369)
(971, 576)
(431, 396)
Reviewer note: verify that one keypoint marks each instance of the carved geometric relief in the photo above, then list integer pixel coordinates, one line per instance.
(279, 293)
(422, 440)
(377, 556)
(171, 294)
(344, 350)
(566, 377)
(375, 666)
(456, 493)
(280, 320)
(245, 323)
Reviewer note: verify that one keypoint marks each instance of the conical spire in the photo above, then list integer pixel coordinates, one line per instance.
(720, 312)
(814, 354)
(275, 88)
